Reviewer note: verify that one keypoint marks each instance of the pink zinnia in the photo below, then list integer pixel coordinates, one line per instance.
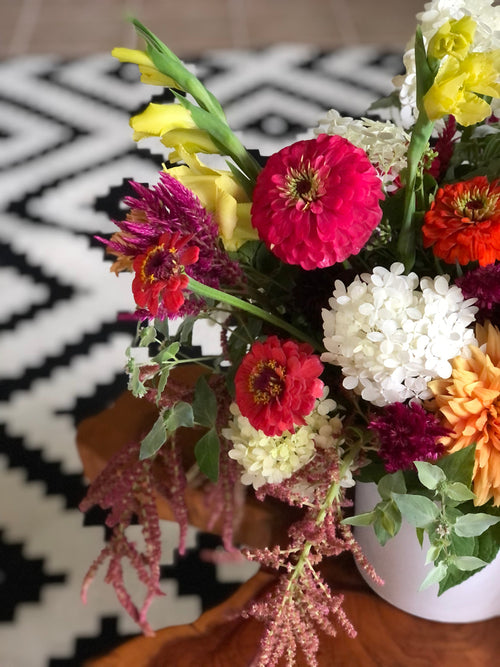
(316, 202)
(277, 384)
(407, 433)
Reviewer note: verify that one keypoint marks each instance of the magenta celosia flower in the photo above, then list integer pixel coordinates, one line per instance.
(407, 433)
(484, 284)
(169, 208)
(316, 202)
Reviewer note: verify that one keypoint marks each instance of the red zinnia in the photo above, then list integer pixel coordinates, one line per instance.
(159, 279)
(316, 202)
(277, 384)
(463, 223)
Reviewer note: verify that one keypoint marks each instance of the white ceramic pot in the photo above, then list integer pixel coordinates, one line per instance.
(401, 564)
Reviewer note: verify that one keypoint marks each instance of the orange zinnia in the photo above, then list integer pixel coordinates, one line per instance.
(469, 403)
(463, 222)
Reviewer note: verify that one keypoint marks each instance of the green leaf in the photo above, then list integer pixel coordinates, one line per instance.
(207, 454)
(486, 547)
(389, 484)
(458, 491)
(381, 533)
(185, 331)
(436, 575)
(147, 336)
(390, 517)
(425, 74)
(432, 553)
(459, 465)
(180, 415)
(204, 404)
(468, 563)
(365, 519)
(430, 475)
(154, 440)
(168, 355)
(472, 525)
(419, 511)
(134, 383)
(162, 382)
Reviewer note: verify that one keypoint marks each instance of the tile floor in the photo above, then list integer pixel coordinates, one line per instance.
(80, 27)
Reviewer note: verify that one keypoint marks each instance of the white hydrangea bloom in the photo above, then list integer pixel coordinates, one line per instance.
(384, 142)
(272, 459)
(436, 14)
(392, 335)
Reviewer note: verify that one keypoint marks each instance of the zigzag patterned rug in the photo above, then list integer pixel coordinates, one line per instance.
(64, 141)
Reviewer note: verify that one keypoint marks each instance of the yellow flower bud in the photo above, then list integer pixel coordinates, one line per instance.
(149, 73)
(453, 38)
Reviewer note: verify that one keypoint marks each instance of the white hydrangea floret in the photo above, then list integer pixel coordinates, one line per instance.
(391, 333)
(272, 459)
(385, 143)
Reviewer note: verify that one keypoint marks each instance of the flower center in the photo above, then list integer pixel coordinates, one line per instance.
(266, 381)
(303, 184)
(160, 263)
(478, 205)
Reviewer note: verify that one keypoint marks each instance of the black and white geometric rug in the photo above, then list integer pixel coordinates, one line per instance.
(64, 141)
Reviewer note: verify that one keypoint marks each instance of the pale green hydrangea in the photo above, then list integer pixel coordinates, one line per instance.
(272, 459)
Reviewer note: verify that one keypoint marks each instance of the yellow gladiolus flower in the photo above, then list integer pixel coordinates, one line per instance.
(453, 38)
(187, 140)
(158, 119)
(149, 73)
(457, 85)
(221, 194)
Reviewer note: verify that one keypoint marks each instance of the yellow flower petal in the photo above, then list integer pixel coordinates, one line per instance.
(187, 140)
(453, 38)
(158, 119)
(220, 194)
(149, 73)
(457, 85)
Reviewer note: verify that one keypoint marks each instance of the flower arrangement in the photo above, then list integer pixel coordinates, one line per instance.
(355, 279)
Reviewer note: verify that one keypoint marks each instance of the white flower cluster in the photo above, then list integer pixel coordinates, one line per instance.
(384, 142)
(391, 338)
(436, 14)
(272, 459)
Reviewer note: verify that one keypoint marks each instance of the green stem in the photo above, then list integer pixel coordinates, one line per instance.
(218, 295)
(331, 496)
(418, 144)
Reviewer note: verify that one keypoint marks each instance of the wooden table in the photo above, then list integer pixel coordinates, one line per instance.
(387, 637)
